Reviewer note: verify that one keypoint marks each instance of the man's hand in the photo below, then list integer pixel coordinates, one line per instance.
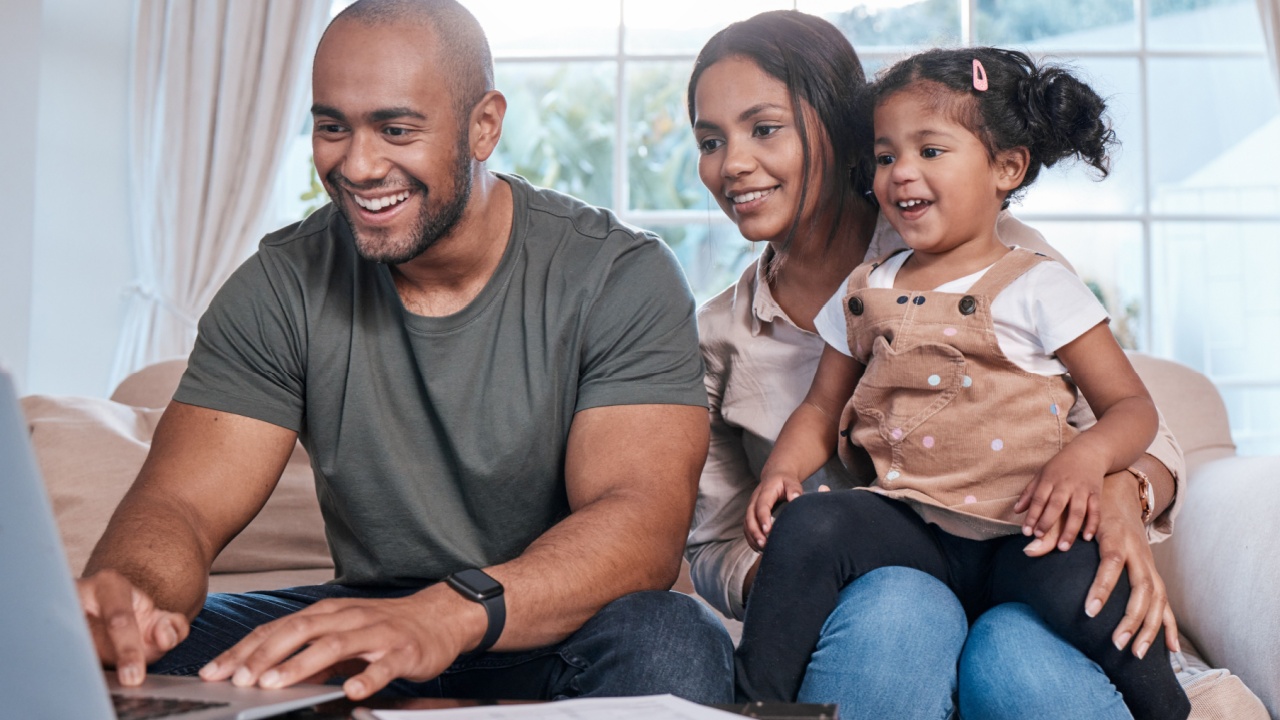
(773, 489)
(415, 637)
(128, 629)
(1068, 489)
(1122, 545)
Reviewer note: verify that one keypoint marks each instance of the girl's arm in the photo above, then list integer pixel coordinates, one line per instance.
(806, 442)
(1071, 481)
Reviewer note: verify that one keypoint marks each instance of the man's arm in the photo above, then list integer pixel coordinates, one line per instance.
(207, 475)
(631, 477)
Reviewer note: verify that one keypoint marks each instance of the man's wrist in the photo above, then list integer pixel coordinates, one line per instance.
(478, 588)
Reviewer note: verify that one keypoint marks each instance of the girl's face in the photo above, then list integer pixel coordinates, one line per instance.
(935, 182)
(751, 154)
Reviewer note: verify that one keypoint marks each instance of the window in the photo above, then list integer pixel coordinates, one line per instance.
(1182, 242)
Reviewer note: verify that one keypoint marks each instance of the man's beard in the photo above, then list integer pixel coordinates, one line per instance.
(431, 225)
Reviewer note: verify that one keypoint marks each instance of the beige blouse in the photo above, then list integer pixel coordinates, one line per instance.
(759, 367)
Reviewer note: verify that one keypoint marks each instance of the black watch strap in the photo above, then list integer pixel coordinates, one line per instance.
(477, 586)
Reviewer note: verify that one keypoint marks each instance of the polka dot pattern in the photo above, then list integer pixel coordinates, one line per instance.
(934, 380)
(997, 444)
(968, 381)
(927, 441)
(949, 332)
(969, 499)
(1053, 409)
(892, 475)
(897, 433)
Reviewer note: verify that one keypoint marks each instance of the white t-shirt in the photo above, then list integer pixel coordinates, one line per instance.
(1039, 312)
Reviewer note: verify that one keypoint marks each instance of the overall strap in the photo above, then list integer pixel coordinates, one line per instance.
(858, 278)
(1007, 269)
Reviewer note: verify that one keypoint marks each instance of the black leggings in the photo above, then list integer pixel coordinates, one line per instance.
(823, 541)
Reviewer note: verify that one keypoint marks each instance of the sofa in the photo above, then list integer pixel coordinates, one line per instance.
(1222, 565)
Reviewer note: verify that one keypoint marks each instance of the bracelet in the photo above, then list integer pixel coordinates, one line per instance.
(1145, 493)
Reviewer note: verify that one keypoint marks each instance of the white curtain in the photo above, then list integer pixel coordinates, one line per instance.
(1270, 12)
(219, 87)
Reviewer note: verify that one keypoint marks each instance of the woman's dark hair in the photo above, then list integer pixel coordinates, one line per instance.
(1043, 108)
(816, 63)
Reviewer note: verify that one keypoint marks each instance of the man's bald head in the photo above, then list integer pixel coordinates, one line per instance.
(462, 48)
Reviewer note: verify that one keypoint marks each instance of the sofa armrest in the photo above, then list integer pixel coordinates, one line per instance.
(1222, 569)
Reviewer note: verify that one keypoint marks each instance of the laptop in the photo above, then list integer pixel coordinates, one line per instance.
(48, 665)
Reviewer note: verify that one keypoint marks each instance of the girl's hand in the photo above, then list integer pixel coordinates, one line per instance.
(772, 490)
(1122, 545)
(1067, 488)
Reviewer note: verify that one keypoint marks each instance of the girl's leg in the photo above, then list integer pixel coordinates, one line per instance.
(889, 649)
(1055, 586)
(820, 543)
(1013, 667)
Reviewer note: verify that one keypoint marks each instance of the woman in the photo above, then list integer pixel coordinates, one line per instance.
(776, 104)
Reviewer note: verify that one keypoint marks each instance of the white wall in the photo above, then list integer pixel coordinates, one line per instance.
(74, 269)
(19, 83)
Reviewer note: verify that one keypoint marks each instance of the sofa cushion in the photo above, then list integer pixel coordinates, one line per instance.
(90, 450)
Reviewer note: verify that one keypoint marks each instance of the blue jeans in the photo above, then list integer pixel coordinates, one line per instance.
(898, 645)
(644, 643)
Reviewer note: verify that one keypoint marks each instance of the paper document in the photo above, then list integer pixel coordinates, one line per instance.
(648, 707)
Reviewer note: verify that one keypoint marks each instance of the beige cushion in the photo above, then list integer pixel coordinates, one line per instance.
(153, 386)
(90, 450)
(1223, 572)
(1191, 406)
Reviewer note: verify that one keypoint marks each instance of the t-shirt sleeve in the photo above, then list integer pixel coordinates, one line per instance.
(641, 339)
(1062, 306)
(830, 322)
(247, 358)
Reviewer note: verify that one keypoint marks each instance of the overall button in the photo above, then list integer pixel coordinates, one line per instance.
(902, 300)
(968, 305)
(855, 305)
(919, 300)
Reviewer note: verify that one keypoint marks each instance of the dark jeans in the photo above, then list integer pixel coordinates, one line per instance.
(645, 643)
(822, 542)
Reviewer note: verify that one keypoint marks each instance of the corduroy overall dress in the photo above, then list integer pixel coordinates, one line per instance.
(955, 428)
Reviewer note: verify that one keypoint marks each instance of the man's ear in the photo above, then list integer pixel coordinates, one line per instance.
(485, 124)
(1011, 167)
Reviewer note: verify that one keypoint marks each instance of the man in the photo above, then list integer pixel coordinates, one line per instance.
(487, 376)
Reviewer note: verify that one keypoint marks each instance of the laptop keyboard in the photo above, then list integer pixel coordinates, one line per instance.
(141, 708)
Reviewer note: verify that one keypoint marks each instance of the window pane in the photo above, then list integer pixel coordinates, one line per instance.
(1215, 136)
(1073, 186)
(548, 27)
(1204, 23)
(1108, 257)
(712, 254)
(682, 26)
(559, 127)
(1217, 299)
(871, 23)
(1061, 24)
(663, 169)
(1254, 416)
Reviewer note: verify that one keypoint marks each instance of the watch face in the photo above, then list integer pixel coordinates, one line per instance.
(476, 583)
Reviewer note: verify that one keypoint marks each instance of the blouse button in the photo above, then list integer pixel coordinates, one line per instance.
(968, 305)
(919, 300)
(902, 300)
(855, 305)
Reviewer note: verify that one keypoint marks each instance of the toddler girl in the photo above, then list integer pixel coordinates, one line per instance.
(959, 350)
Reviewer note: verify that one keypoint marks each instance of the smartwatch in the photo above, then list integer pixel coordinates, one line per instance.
(477, 586)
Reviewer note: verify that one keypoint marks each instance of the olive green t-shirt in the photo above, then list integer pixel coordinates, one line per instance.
(438, 443)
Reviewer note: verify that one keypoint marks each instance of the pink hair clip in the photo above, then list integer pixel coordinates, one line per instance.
(979, 76)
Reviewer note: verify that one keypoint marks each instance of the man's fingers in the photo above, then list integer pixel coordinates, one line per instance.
(269, 645)
(394, 664)
(322, 653)
(115, 609)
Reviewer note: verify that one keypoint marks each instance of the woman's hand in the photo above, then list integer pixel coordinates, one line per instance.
(1122, 545)
(773, 489)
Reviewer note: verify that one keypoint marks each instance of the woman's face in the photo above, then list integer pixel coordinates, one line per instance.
(751, 153)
